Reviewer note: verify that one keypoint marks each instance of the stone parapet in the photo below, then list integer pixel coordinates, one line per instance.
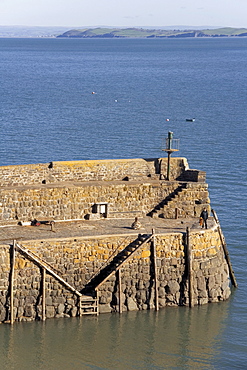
(192, 176)
(88, 170)
(77, 261)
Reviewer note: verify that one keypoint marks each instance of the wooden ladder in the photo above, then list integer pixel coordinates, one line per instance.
(89, 305)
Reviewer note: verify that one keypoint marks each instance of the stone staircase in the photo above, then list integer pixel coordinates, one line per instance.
(168, 204)
(116, 263)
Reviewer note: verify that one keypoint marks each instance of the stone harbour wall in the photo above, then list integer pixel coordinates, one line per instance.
(89, 170)
(124, 199)
(77, 260)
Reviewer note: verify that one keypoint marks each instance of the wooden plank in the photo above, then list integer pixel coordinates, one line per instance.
(155, 271)
(43, 293)
(189, 267)
(119, 277)
(97, 302)
(12, 273)
(79, 307)
(90, 313)
(224, 246)
(48, 269)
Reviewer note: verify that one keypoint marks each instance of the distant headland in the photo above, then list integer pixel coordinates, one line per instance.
(152, 33)
(117, 32)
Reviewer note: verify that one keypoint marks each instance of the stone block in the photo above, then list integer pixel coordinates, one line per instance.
(162, 302)
(60, 308)
(202, 301)
(30, 300)
(212, 270)
(217, 279)
(59, 300)
(2, 313)
(225, 285)
(173, 287)
(226, 293)
(48, 301)
(211, 282)
(29, 311)
(174, 261)
(131, 304)
(140, 284)
(50, 312)
(74, 312)
(141, 296)
(202, 294)
(105, 308)
(161, 292)
(212, 293)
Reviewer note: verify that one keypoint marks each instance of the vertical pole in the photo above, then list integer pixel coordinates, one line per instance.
(169, 151)
(176, 213)
(168, 166)
(155, 272)
(12, 272)
(97, 301)
(79, 308)
(224, 246)
(43, 294)
(189, 266)
(170, 135)
(120, 291)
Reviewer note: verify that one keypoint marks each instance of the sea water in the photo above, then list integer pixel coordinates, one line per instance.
(101, 99)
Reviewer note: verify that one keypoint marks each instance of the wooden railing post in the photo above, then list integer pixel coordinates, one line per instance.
(155, 271)
(120, 290)
(189, 267)
(97, 301)
(12, 273)
(43, 293)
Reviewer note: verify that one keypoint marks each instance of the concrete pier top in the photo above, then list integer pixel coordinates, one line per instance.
(96, 228)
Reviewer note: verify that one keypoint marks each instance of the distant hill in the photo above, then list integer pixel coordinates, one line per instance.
(26, 32)
(111, 32)
(152, 33)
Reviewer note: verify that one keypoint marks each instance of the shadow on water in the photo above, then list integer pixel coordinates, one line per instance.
(173, 338)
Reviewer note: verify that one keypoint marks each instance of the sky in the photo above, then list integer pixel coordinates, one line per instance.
(123, 13)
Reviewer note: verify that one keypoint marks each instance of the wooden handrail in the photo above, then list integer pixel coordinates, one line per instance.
(126, 259)
(42, 264)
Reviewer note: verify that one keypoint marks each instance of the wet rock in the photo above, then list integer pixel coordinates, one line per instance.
(131, 304)
(173, 287)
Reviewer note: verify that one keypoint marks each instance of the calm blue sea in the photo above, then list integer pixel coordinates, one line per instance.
(48, 113)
